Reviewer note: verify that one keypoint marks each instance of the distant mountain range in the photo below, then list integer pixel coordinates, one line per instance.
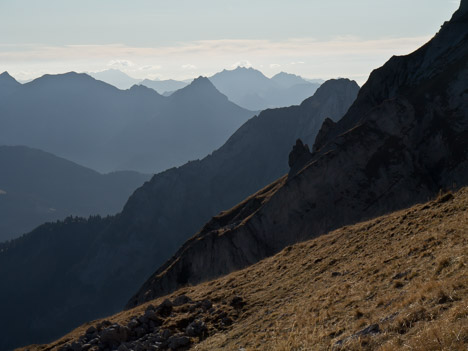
(116, 78)
(112, 258)
(38, 187)
(246, 87)
(164, 87)
(249, 88)
(123, 81)
(99, 126)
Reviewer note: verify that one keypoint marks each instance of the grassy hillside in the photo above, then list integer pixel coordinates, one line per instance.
(395, 282)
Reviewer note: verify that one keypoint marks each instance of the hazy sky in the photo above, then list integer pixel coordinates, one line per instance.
(182, 39)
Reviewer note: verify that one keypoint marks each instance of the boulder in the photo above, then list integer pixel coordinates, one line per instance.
(196, 328)
(177, 341)
(181, 300)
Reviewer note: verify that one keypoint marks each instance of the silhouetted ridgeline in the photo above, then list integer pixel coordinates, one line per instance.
(99, 126)
(160, 216)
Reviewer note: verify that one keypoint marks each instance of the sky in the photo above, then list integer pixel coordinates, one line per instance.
(182, 39)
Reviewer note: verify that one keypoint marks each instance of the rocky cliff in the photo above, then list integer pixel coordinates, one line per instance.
(404, 139)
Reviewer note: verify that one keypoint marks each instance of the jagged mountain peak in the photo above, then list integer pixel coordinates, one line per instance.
(202, 82)
(200, 87)
(8, 85)
(245, 69)
(241, 71)
(142, 89)
(6, 77)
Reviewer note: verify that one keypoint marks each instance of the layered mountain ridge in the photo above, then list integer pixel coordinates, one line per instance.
(156, 220)
(246, 87)
(101, 127)
(403, 139)
(251, 89)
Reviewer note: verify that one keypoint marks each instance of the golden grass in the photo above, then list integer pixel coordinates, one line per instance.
(406, 272)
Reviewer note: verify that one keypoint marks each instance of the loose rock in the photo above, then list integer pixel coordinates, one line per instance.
(177, 341)
(196, 328)
(165, 308)
(181, 300)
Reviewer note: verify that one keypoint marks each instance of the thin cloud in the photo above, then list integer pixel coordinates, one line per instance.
(150, 68)
(119, 64)
(289, 48)
(189, 67)
(342, 56)
(297, 63)
(242, 63)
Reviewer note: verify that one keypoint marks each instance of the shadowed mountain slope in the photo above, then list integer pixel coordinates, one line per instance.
(38, 187)
(404, 138)
(161, 215)
(45, 254)
(99, 126)
(396, 282)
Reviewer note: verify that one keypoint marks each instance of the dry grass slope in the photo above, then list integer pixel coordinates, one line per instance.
(398, 282)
